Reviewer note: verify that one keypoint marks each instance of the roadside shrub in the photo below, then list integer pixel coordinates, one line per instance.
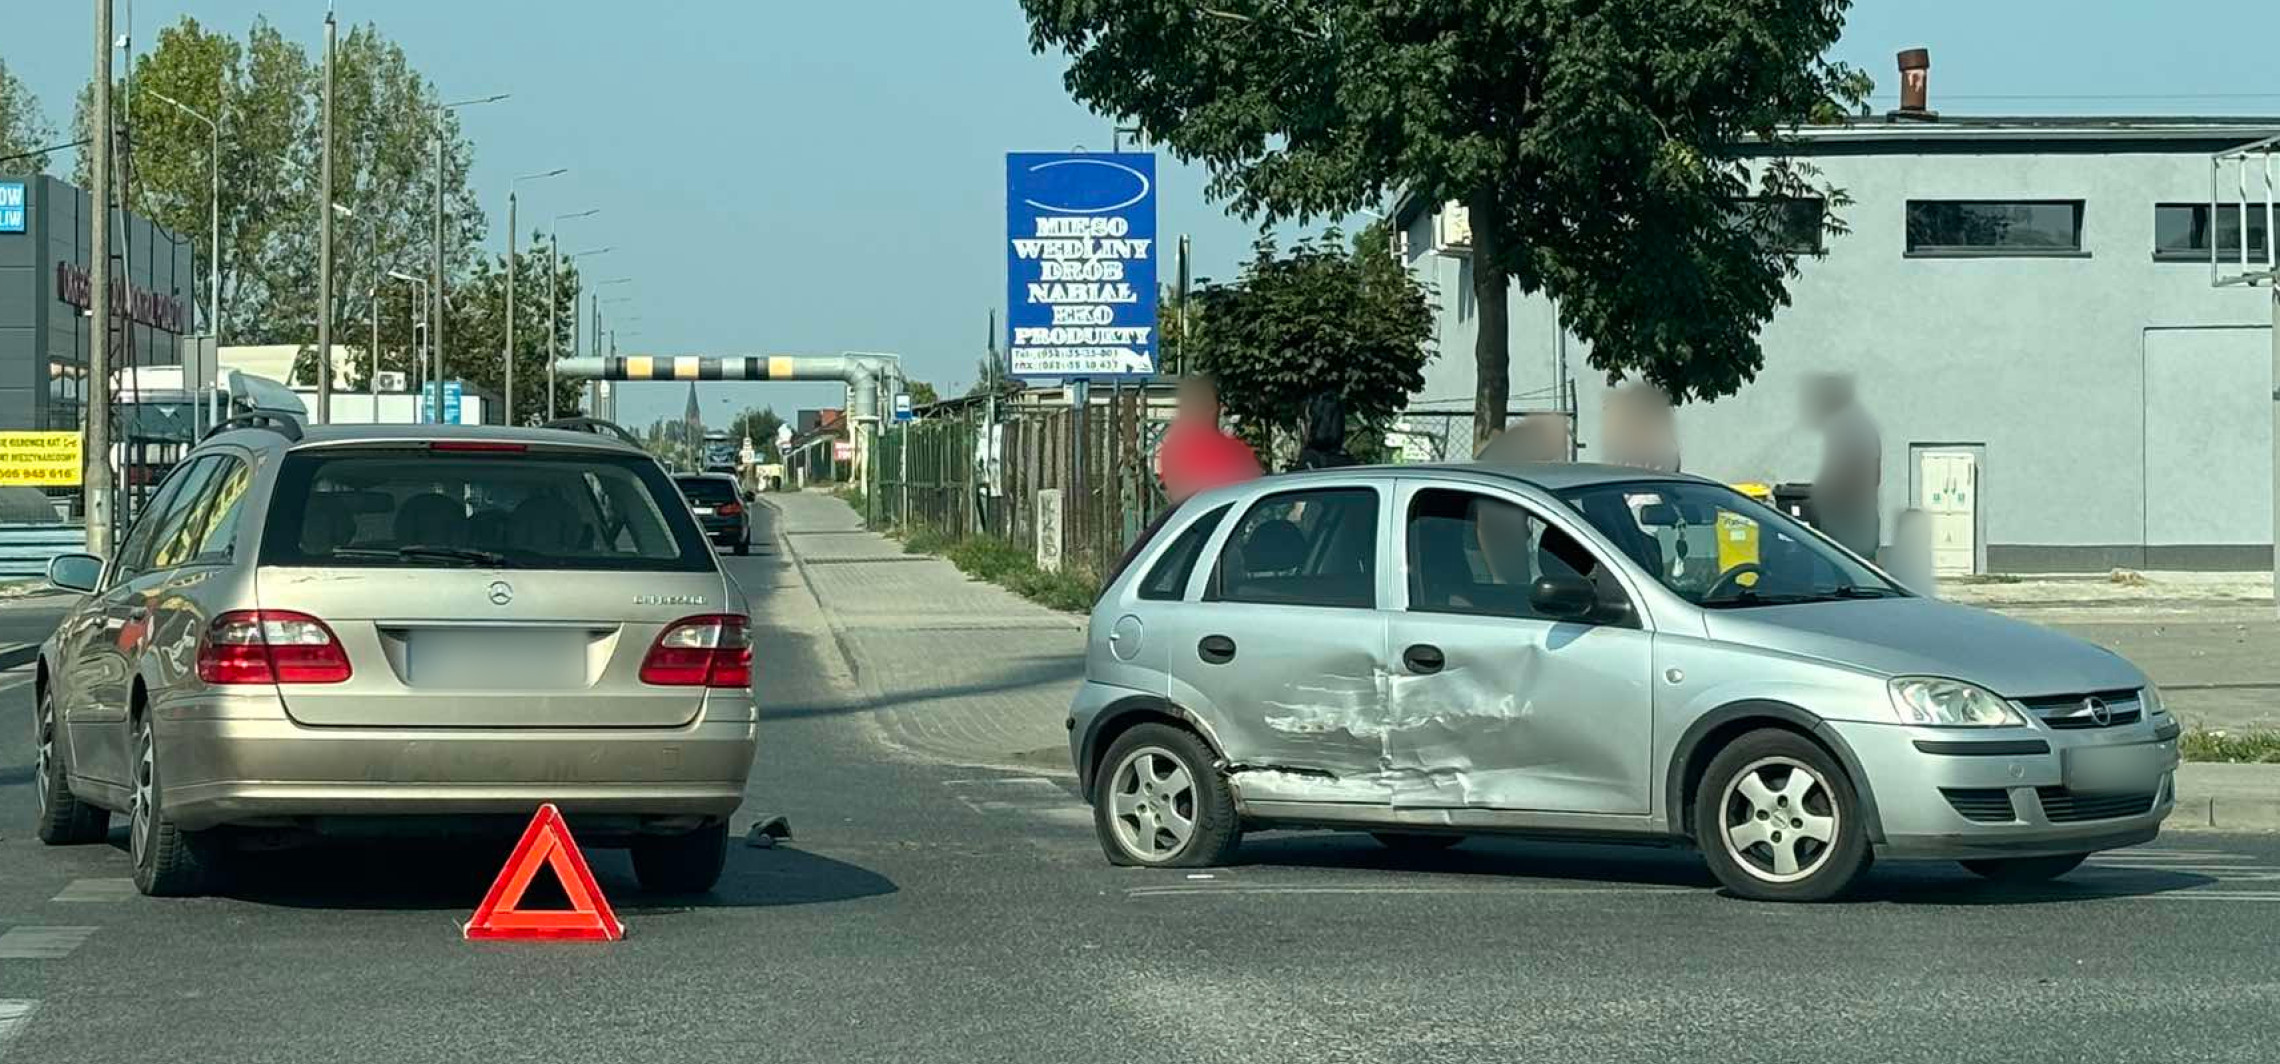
(2256, 747)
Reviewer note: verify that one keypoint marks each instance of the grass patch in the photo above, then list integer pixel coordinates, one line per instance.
(852, 495)
(1008, 566)
(2252, 747)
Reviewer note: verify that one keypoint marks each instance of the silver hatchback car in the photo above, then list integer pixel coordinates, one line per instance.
(1429, 652)
(423, 628)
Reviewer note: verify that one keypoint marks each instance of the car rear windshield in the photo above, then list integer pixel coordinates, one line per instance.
(707, 489)
(415, 508)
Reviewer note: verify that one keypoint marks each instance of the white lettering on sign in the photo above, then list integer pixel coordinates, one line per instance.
(1082, 284)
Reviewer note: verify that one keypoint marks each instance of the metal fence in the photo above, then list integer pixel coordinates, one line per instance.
(1075, 486)
(26, 549)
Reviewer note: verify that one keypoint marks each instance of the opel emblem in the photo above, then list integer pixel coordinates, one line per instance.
(503, 593)
(2099, 712)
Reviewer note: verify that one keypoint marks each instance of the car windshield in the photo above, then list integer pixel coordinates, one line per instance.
(707, 490)
(1720, 549)
(400, 508)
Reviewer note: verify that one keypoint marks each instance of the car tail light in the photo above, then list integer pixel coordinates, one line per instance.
(270, 647)
(730, 509)
(714, 650)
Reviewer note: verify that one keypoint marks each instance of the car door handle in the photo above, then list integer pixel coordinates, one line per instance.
(1216, 649)
(1424, 658)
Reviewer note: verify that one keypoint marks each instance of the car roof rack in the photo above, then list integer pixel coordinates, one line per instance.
(285, 425)
(593, 426)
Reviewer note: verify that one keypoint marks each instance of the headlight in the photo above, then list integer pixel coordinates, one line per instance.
(2154, 707)
(1950, 703)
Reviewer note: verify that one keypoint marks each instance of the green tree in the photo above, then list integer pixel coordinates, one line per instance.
(268, 93)
(476, 325)
(922, 393)
(757, 424)
(1323, 317)
(1591, 141)
(24, 128)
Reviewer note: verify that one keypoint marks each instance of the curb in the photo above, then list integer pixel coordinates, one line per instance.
(18, 655)
(2214, 796)
(831, 620)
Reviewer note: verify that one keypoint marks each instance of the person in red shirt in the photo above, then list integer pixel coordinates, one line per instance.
(1196, 455)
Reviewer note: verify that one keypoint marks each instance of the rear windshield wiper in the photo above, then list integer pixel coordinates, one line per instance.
(422, 552)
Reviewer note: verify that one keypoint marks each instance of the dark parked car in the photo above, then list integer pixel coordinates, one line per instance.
(718, 502)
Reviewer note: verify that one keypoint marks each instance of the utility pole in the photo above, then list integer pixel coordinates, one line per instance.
(97, 442)
(509, 419)
(325, 242)
(435, 284)
(553, 312)
(1180, 314)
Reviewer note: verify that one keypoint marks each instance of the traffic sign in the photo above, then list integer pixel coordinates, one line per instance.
(546, 842)
(453, 391)
(1080, 264)
(902, 407)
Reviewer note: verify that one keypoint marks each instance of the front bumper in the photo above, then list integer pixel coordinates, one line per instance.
(239, 759)
(2015, 782)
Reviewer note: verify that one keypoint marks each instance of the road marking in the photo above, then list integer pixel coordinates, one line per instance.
(97, 890)
(1211, 889)
(14, 1017)
(41, 943)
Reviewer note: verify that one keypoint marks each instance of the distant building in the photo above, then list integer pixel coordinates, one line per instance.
(45, 330)
(2026, 307)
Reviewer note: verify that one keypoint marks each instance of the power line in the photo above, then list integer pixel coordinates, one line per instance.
(2094, 96)
(43, 151)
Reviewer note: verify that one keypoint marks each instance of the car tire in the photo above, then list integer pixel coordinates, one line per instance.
(64, 819)
(2025, 869)
(168, 861)
(689, 863)
(1770, 834)
(1418, 842)
(1138, 819)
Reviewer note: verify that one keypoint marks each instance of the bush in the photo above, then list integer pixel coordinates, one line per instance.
(2261, 747)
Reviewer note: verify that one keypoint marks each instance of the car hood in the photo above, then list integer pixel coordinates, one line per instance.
(1927, 637)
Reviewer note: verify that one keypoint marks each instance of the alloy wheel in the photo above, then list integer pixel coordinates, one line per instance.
(139, 809)
(1152, 804)
(43, 736)
(1780, 819)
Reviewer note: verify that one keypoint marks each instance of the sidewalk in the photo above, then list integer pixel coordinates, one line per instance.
(969, 673)
(961, 671)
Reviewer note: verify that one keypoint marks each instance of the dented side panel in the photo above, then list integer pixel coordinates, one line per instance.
(1302, 696)
(1525, 715)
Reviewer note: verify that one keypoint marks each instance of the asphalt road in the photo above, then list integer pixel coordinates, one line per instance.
(933, 913)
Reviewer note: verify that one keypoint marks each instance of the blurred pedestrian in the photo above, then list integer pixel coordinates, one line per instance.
(1325, 435)
(1852, 464)
(1537, 438)
(1911, 554)
(1640, 428)
(1196, 454)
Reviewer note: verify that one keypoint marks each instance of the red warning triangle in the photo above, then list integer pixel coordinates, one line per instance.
(546, 842)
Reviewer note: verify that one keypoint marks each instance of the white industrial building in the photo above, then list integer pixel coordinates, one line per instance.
(2027, 308)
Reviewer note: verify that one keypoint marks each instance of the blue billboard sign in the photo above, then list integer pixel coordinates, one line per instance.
(11, 206)
(452, 391)
(1080, 264)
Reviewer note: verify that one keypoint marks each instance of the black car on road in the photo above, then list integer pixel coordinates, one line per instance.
(718, 501)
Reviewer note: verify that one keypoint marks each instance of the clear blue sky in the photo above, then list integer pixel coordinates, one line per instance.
(818, 176)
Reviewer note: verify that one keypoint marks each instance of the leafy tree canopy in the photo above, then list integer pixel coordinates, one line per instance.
(24, 128)
(1592, 141)
(1322, 317)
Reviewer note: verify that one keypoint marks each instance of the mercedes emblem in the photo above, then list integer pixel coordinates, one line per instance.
(502, 593)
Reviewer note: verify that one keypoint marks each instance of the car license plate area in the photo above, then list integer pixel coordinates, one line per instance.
(704, 511)
(2130, 769)
(476, 659)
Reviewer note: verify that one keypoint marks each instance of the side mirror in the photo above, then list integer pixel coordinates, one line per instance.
(75, 572)
(1564, 596)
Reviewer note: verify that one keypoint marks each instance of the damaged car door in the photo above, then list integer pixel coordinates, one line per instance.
(1278, 652)
(1518, 673)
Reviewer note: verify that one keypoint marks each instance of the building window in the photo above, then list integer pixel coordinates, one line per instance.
(1793, 225)
(1994, 227)
(2181, 232)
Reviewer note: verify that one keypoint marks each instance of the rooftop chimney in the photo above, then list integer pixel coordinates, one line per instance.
(1916, 85)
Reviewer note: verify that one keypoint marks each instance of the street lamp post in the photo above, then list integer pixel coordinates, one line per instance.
(576, 318)
(435, 320)
(554, 298)
(511, 187)
(325, 242)
(420, 291)
(214, 219)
